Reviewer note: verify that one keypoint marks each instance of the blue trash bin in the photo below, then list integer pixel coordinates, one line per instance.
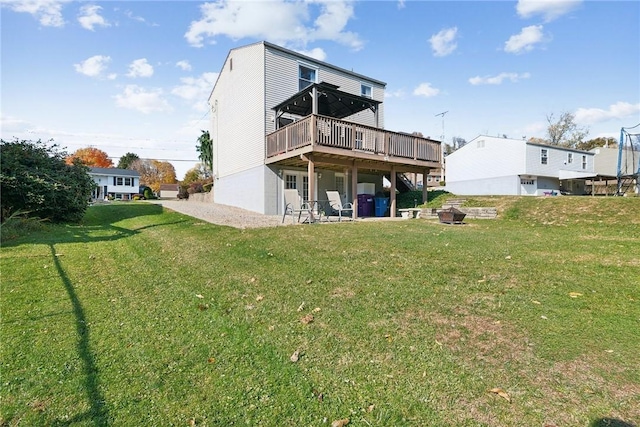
(382, 204)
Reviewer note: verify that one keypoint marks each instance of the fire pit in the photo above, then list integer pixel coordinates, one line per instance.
(451, 216)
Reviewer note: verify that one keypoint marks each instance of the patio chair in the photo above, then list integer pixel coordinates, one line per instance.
(293, 205)
(335, 202)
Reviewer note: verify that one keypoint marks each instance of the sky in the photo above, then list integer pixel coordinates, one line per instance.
(136, 76)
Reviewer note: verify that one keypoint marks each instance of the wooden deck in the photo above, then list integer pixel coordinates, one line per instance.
(316, 132)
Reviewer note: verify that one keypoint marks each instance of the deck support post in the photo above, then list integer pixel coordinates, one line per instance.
(392, 196)
(354, 190)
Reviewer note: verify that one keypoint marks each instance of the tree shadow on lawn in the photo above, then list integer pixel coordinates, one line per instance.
(611, 422)
(97, 229)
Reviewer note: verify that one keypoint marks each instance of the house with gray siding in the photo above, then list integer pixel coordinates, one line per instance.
(282, 120)
(501, 166)
(119, 184)
(606, 161)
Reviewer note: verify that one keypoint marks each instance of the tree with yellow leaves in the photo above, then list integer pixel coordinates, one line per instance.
(153, 173)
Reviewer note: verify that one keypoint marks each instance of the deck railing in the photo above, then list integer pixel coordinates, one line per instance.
(326, 131)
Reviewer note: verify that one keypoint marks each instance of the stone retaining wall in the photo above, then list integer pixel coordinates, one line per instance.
(201, 197)
(473, 213)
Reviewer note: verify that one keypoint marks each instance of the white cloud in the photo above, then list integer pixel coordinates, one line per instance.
(140, 68)
(316, 53)
(146, 101)
(94, 66)
(496, 80)
(184, 65)
(90, 17)
(549, 9)
(12, 124)
(394, 94)
(287, 23)
(618, 110)
(426, 90)
(526, 40)
(47, 12)
(444, 42)
(196, 89)
(401, 4)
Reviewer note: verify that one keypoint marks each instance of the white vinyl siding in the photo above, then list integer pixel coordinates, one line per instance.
(238, 126)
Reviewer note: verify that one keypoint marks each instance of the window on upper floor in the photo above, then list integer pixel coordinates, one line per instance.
(306, 76)
(584, 162)
(544, 156)
(118, 180)
(569, 158)
(366, 90)
(127, 182)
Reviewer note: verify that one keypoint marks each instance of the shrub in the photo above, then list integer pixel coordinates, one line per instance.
(148, 193)
(34, 178)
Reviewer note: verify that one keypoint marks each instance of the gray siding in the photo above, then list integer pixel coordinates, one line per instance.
(556, 161)
(281, 82)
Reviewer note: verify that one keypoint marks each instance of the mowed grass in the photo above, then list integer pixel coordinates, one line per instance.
(143, 316)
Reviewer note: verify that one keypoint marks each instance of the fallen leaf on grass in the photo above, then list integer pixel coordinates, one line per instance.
(536, 302)
(371, 408)
(301, 306)
(203, 307)
(307, 319)
(388, 337)
(575, 294)
(295, 356)
(211, 360)
(259, 298)
(199, 296)
(316, 310)
(340, 423)
(310, 281)
(507, 257)
(500, 392)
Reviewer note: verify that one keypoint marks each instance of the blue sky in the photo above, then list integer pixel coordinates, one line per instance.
(135, 76)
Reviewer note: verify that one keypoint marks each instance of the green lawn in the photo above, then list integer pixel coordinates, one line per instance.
(145, 317)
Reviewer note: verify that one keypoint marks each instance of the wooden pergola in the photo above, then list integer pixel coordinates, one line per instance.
(323, 139)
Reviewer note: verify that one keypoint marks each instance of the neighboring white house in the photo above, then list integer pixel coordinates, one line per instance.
(500, 166)
(119, 184)
(282, 120)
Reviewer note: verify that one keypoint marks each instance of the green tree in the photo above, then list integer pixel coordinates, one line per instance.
(126, 160)
(205, 148)
(35, 179)
(597, 142)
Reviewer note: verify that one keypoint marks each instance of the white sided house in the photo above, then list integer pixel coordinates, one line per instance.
(118, 184)
(501, 166)
(282, 120)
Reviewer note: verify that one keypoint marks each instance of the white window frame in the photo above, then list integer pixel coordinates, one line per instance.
(544, 156)
(119, 180)
(569, 158)
(363, 92)
(301, 79)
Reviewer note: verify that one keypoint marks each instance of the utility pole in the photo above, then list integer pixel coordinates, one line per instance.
(442, 145)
